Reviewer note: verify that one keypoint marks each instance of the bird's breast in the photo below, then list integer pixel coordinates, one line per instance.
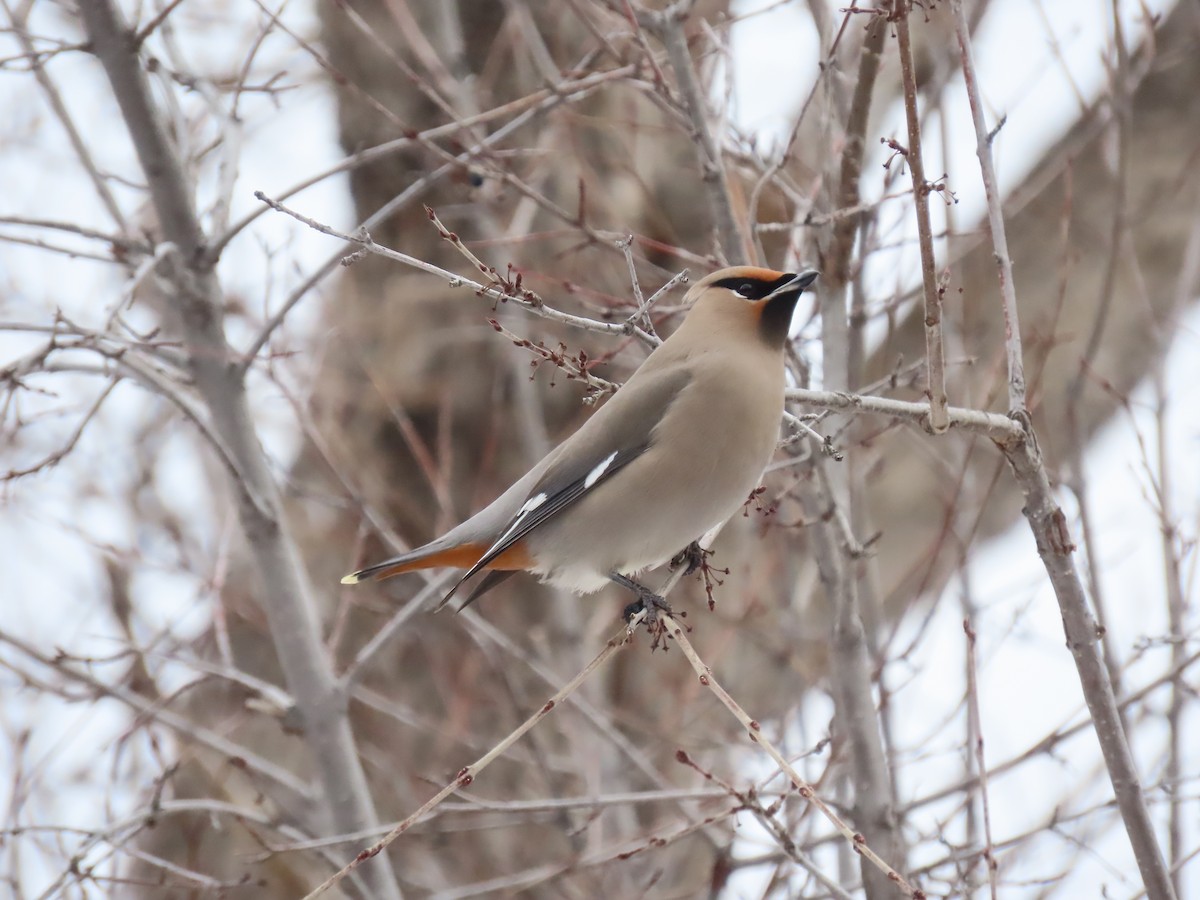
(708, 453)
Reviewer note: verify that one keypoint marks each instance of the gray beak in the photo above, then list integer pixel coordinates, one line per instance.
(796, 285)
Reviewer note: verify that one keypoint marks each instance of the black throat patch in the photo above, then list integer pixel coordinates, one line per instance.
(776, 321)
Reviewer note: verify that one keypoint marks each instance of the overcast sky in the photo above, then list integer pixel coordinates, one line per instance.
(51, 524)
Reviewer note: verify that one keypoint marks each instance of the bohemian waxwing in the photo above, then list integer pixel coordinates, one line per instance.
(674, 453)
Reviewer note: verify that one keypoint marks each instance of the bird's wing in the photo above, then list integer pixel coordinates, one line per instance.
(619, 433)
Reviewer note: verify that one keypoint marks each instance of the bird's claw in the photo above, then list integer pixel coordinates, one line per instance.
(693, 554)
(657, 612)
(652, 604)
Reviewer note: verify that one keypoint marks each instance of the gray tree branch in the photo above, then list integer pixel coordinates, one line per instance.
(1054, 543)
(285, 594)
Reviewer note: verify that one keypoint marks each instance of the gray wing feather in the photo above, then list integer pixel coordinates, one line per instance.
(619, 433)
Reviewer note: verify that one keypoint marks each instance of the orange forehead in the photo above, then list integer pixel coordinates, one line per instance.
(754, 273)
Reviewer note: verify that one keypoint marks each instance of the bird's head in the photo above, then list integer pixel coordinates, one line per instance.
(763, 297)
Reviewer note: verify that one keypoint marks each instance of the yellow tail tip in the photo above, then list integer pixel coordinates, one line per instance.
(352, 578)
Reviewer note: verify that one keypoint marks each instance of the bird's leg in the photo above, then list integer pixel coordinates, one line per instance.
(693, 554)
(647, 600)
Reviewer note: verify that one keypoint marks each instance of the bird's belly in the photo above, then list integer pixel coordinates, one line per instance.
(647, 513)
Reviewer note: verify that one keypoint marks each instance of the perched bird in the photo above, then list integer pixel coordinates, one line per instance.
(675, 452)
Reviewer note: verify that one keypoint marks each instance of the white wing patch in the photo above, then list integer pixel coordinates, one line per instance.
(530, 505)
(533, 503)
(596, 473)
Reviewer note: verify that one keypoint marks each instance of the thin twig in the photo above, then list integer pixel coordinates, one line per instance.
(749, 799)
(1076, 428)
(55, 457)
(668, 27)
(467, 774)
(848, 212)
(456, 242)
(480, 806)
(391, 628)
(993, 425)
(645, 307)
(641, 306)
(1177, 608)
(625, 245)
(285, 593)
(572, 366)
(995, 216)
(858, 720)
(1055, 547)
(754, 732)
(37, 64)
(934, 349)
(1049, 527)
(157, 712)
(989, 856)
(527, 299)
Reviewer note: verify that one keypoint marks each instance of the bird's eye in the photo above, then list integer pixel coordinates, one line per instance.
(746, 289)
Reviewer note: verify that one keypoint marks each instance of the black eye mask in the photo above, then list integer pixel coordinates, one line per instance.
(753, 288)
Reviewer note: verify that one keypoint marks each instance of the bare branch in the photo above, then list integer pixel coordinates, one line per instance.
(996, 426)
(848, 214)
(1054, 543)
(467, 774)
(858, 719)
(807, 791)
(668, 26)
(286, 596)
(989, 858)
(54, 98)
(995, 212)
(169, 718)
(57, 456)
(505, 293)
(934, 349)
(1049, 527)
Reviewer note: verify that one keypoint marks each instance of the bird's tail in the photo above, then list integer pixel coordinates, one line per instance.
(431, 556)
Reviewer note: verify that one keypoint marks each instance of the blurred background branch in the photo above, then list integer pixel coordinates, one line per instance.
(210, 411)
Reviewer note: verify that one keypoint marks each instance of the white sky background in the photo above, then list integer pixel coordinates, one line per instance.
(1028, 686)
(51, 524)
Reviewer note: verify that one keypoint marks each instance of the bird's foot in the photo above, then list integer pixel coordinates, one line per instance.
(657, 610)
(657, 613)
(693, 554)
(652, 604)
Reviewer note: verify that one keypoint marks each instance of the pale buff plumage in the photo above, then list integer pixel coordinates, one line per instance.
(676, 451)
